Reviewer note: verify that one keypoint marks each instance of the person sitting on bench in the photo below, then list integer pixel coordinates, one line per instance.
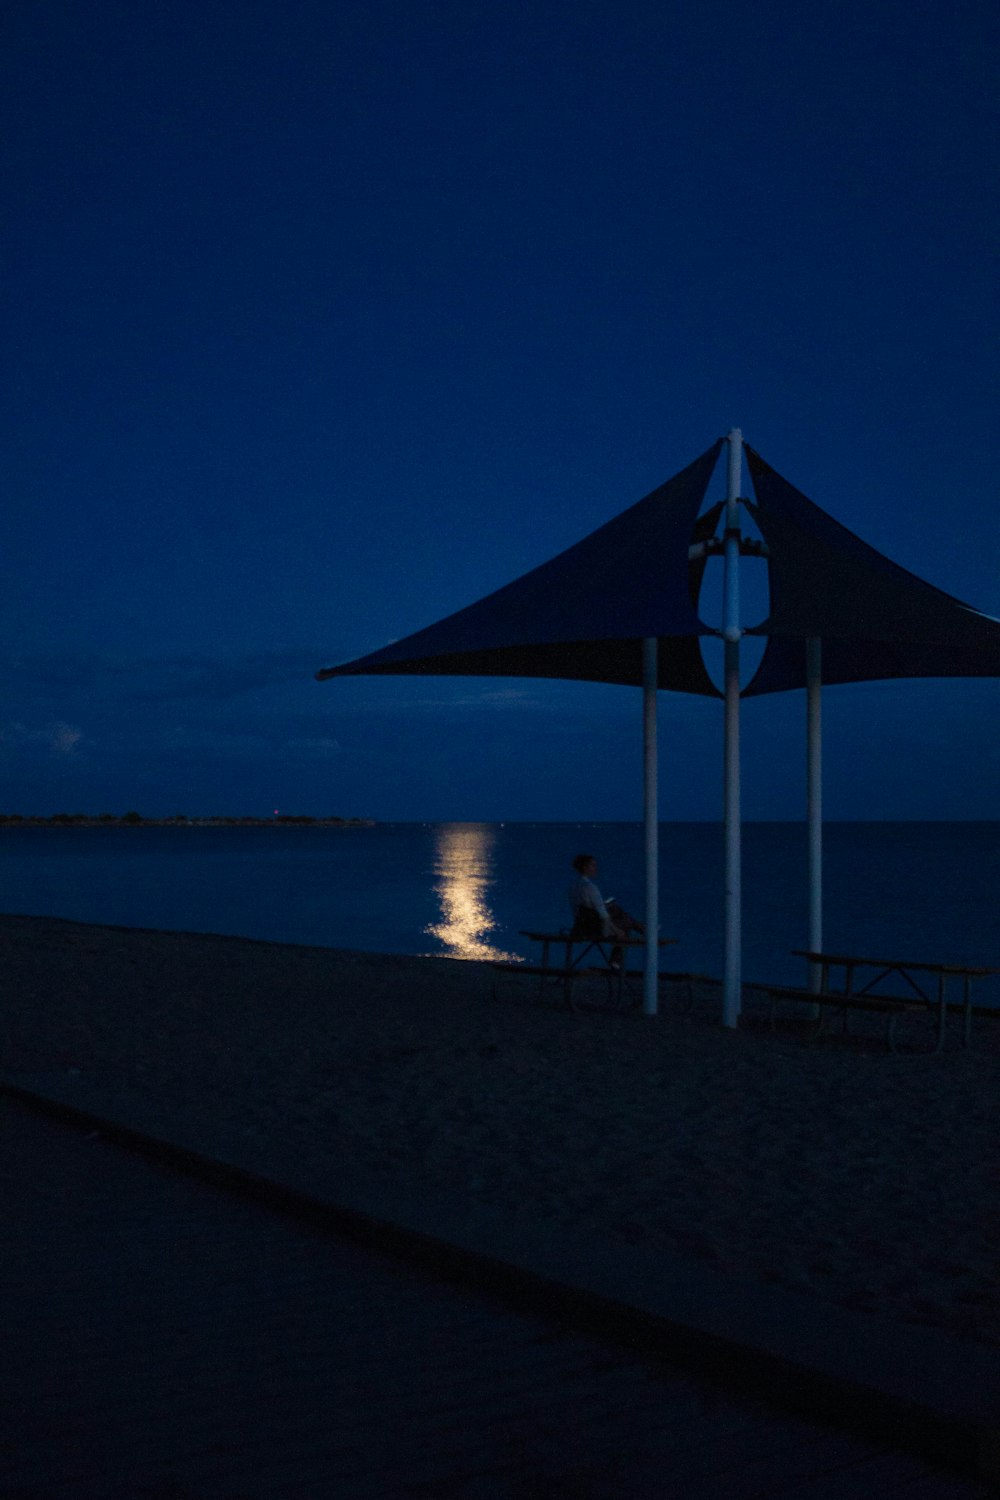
(593, 917)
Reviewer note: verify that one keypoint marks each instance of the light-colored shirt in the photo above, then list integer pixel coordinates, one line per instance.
(583, 892)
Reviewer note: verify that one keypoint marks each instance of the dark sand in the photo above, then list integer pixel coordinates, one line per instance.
(829, 1166)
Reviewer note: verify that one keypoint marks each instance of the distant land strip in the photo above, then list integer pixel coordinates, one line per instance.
(136, 820)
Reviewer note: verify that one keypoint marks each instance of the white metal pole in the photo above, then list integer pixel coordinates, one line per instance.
(651, 824)
(814, 801)
(731, 632)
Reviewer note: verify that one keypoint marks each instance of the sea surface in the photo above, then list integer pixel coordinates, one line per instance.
(900, 890)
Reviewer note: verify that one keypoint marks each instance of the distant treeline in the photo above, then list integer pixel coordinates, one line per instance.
(134, 819)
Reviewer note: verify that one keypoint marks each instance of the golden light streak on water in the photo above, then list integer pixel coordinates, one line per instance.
(463, 868)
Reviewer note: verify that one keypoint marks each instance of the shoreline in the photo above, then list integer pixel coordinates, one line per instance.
(73, 820)
(834, 1168)
(86, 820)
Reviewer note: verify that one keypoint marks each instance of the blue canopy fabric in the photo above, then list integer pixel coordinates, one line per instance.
(875, 619)
(585, 613)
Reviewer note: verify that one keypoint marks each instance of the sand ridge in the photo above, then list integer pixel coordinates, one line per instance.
(832, 1167)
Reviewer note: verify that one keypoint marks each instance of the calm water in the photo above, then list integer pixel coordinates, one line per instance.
(914, 890)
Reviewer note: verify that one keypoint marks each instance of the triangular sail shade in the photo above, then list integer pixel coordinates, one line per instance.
(585, 613)
(875, 619)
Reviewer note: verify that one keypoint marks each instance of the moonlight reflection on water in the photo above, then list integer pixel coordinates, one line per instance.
(465, 870)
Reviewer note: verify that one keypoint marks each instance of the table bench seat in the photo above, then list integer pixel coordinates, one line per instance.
(891, 1006)
(567, 976)
(547, 971)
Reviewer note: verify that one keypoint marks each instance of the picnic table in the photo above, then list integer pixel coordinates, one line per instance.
(924, 985)
(575, 952)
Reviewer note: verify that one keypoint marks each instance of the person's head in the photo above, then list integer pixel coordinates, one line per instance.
(585, 864)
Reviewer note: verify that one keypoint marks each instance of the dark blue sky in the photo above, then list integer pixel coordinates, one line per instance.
(323, 319)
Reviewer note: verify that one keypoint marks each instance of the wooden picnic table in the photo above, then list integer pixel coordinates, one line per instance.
(573, 965)
(912, 973)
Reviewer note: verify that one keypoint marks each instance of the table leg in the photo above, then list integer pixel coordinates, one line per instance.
(545, 964)
(848, 989)
(967, 1018)
(568, 971)
(942, 1011)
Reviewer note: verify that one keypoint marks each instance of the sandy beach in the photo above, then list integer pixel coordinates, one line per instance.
(829, 1166)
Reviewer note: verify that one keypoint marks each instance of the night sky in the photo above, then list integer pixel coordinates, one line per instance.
(322, 320)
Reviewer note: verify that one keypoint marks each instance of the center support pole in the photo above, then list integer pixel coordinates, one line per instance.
(651, 826)
(732, 980)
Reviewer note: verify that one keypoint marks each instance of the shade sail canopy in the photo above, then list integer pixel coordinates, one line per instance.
(585, 613)
(875, 619)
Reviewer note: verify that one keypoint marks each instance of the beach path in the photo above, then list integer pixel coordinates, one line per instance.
(171, 1339)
